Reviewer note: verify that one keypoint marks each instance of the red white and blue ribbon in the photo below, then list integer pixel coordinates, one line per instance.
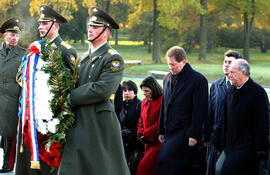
(27, 102)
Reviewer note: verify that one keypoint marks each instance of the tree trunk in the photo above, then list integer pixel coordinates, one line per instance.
(116, 37)
(247, 30)
(262, 45)
(82, 40)
(156, 39)
(246, 37)
(149, 42)
(203, 32)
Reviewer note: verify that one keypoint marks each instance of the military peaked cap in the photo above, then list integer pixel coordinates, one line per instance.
(49, 14)
(99, 17)
(14, 25)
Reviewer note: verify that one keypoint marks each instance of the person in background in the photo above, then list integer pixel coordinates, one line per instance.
(148, 125)
(10, 59)
(129, 117)
(183, 110)
(246, 123)
(118, 100)
(214, 123)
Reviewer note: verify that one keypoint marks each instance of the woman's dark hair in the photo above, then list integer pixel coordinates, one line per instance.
(152, 84)
(130, 85)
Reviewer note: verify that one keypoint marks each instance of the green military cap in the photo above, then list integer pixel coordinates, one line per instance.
(49, 14)
(100, 18)
(14, 25)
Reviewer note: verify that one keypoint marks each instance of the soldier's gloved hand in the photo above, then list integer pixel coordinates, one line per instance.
(262, 157)
(68, 100)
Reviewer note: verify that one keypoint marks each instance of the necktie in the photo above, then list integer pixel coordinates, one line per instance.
(228, 84)
(7, 50)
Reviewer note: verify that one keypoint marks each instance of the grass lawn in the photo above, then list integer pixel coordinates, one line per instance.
(211, 69)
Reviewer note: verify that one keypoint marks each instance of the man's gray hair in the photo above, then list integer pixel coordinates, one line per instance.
(243, 66)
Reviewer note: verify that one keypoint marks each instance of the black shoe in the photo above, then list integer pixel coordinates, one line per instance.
(5, 170)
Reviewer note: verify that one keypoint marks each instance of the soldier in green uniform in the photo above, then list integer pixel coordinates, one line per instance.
(94, 145)
(49, 24)
(10, 59)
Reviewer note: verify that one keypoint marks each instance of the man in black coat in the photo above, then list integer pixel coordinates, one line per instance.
(246, 123)
(183, 110)
(10, 59)
(213, 131)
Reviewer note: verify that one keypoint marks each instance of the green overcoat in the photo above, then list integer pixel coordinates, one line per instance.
(94, 145)
(9, 89)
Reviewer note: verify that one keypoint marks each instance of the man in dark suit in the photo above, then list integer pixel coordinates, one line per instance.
(183, 110)
(10, 59)
(246, 119)
(214, 123)
(94, 144)
(49, 25)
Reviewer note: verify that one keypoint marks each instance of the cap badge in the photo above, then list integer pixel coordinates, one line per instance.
(95, 10)
(93, 18)
(17, 20)
(42, 15)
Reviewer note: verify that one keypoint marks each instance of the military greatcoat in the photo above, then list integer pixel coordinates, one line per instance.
(9, 89)
(94, 145)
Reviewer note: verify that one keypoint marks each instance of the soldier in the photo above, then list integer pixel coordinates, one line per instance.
(10, 59)
(49, 24)
(94, 145)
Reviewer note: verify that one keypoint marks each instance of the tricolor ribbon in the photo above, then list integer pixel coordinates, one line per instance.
(27, 102)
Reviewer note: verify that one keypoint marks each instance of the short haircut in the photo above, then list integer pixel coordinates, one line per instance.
(177, 52)
(130, 85)
(233, 53)
(152, 84)
(243, 66)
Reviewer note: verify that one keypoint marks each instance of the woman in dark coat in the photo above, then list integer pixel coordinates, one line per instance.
(129, 117)
(148, 125)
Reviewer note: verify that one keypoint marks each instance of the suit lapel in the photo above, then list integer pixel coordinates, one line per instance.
(12, 53)
(3, 51)
(179, 84)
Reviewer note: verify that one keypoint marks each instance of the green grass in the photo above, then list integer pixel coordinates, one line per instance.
(212, 68)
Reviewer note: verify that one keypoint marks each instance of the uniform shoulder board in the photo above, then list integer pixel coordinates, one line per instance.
(66, 45)
(112, 52)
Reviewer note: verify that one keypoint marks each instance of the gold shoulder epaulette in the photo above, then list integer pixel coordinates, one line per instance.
(112, 52)
(66, 45)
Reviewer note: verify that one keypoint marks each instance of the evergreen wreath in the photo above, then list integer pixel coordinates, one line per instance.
(60, 83)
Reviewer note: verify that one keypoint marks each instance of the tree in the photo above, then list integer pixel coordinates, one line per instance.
(157, 40)
(203, 32)
(181, 17)
(138, 8)
(245, 11)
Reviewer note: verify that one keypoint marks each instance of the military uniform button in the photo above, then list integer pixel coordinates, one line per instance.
(89, 76)
(93, 65)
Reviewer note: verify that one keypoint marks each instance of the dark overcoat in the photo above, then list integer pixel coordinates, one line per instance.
(94, 144)
(246, 128)
(183, 109)
(9, 90)
(213, 131)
